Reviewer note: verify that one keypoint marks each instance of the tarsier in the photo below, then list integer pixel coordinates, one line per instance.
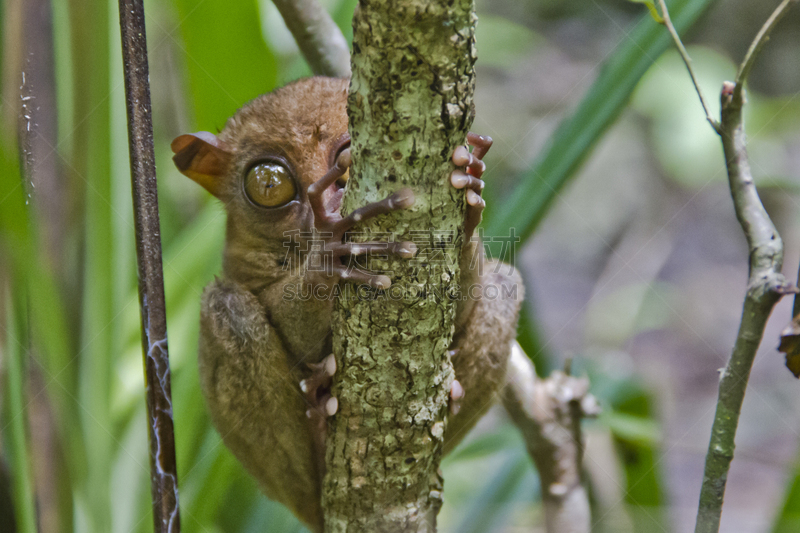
(280, 165)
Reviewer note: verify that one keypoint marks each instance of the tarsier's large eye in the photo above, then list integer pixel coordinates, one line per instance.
(270, 184)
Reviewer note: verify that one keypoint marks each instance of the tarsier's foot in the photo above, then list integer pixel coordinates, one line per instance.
(475, 167)
(317, 389)
(321, 405)
(333, 226)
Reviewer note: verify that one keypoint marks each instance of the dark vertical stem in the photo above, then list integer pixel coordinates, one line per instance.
(164, 476)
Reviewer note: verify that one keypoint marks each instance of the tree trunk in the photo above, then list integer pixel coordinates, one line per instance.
(410, 105)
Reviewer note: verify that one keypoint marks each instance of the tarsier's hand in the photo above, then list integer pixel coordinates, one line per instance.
(331, 227)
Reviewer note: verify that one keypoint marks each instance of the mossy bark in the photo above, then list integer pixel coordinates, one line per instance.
(410, 105)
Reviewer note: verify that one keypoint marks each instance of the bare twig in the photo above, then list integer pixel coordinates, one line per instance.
(318, 37)
(548, 412)
(757, 44)
(766, 285)
(164, 476)
(688, 62)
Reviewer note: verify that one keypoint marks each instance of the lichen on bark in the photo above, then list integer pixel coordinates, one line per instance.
(410, 105)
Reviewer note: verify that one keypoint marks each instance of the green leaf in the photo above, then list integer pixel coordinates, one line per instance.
(502, 42)
(97, 355)
(643, 488)
(789, 518)
(577, 135)
(489, 509)
(788, 521)
(529, 337)
(13, 330)
(227, 60)
(652, 7)
(632, 428)
(485, 444)
(17, 415)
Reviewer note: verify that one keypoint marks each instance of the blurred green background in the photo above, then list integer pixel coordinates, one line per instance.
(603, 163)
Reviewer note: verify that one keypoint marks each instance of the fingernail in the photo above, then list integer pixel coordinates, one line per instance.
(472, 198)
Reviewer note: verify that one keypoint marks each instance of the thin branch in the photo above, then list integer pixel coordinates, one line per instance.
(765, 287)
(758, 43)
(688, 62)
(163, 470)
(318, 37)
(548, 412)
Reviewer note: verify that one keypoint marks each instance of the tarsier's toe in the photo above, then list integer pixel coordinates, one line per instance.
(480, 144)
(456, 395)
(461, 156)
(344, 159)
(460, 180)
(376, 281)
(331, 406)
(325, 410)
(474, 199)
(317, 388)
(406, 249)
(402, 199)
(329, 365)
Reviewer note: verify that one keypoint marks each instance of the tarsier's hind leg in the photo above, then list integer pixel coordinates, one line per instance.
(482, 345)
(255, 399)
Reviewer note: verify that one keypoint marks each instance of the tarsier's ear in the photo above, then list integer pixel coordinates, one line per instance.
(202, 157)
